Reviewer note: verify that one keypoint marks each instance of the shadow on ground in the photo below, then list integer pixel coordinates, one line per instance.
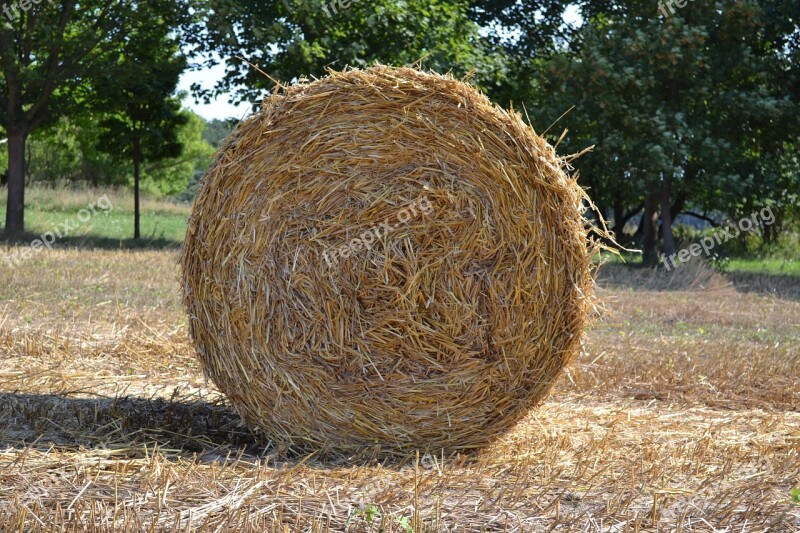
(696, 276)
(93, 242)
(179, 428)
(132, 427)
(690, 276)
(781, 286)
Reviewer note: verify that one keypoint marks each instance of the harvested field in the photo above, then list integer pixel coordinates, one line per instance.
(683, 413)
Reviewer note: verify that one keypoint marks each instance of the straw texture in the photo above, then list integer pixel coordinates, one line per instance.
(383, 257)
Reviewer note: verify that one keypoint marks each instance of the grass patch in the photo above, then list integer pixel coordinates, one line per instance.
(786, 267)
(163, 222)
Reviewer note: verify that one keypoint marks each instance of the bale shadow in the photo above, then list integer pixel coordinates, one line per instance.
(190, 429)
(132, 427)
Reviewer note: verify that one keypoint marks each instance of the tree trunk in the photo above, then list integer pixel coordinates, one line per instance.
(15, 211)
(770, 233)
(666, 217)
(679, 205)
(619, 215)
(650, 226)
(136, 158)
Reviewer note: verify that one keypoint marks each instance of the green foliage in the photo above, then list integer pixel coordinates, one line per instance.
(700, 101)
(405, 524)
(97, 166)
(293, 39)
(54, 152)
(171, 176)
(140, 115)
(68, 153)
(775, 183)
(755, 244)
(75, 39)
(371, 513)
(795, 493)
(217, 130)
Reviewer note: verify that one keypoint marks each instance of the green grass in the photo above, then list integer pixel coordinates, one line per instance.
(163, 223)
(783, 266)
(787, 267)
(624, 258)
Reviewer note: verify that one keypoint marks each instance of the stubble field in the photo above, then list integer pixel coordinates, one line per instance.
(682, 414)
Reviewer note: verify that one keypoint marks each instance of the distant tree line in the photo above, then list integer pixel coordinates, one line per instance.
(696, 114)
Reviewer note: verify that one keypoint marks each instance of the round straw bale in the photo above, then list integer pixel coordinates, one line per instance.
(383, 257)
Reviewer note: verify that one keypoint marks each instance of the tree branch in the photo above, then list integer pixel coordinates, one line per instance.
(54, 75)
(714, 223)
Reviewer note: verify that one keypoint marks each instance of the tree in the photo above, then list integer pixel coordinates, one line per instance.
(69, 152)
(53, 153)
(3, 158)
(525, 35)
(293, 39)
(48, 53)
(216, 131)
(173, 175)
(681, 109)
(142, 117)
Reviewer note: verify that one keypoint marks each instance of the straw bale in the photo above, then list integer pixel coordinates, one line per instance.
(383, 257)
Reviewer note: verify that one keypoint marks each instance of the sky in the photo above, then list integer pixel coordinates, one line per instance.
(572, 15)
(219, 108)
